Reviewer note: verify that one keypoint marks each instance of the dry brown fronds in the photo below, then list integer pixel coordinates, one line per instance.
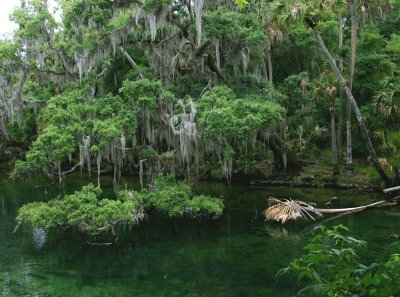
(286, 210)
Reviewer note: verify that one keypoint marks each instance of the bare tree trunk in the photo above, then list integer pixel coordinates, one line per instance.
(353, 41)
(349, 142)
(341, 101)
(363, 16)
(335, 165)
(127, 56)
(269, 59)
(360, 119)
(217, 54)
(129, 59)
(3, 130)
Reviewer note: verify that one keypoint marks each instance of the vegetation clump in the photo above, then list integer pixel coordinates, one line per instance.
(93, 215)
(331, 267)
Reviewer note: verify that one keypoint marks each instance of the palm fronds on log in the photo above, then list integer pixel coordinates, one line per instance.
(289, 210)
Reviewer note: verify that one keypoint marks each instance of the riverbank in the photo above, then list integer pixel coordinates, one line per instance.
(320, 176)
(364, 177)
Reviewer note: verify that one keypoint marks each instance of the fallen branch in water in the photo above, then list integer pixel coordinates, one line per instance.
(339, 210)
(388, 190)
(291, 210)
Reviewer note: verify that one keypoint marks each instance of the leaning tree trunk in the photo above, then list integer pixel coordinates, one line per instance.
(335, 165)
(339, 76)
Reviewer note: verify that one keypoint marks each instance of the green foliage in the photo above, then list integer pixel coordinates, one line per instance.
(174, 199)
(250, 85)
(83, 210)
(241, 3)
(226, 117)
(393, 47)
(146, 93)
(8, 53)
(373, 63)
(68, 117)
(387, 100)
(121, 19)
(234, 124)
(314, 11)
(149, 154)
(233, 26)
(87, 89)
(149, 5)
(331, 268)
(26, 131)
(92, 215)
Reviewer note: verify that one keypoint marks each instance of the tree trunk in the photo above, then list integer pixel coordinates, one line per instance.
(217, 54)
(3, 129)
(127, 56)
(349, 142)
(363, 17)
(335, 165)
(341, 101)
(353, 41)
(364, 131)
(269, 59)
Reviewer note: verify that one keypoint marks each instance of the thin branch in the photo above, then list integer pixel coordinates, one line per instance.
(71, 170)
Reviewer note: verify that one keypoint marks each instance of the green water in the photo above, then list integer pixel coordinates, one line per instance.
(237, 255)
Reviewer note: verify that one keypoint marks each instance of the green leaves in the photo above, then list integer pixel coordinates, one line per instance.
(286, 12)
(331, 268)
(236, 27)
(83, 209)
(241, 3)
(149, 5)
(173, 198)
(223, 116)
(92, 215)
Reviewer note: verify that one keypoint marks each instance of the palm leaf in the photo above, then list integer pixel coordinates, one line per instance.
(289, 210)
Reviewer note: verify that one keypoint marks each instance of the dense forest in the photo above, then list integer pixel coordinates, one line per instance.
(203, 90)
(288, 92)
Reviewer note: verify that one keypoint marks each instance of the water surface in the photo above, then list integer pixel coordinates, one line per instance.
(237, 255)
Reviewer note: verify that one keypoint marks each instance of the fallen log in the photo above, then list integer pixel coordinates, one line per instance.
(291, 210)
(388, 190)
(339, 210)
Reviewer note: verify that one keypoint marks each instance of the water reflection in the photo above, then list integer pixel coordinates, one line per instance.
(237, 255)
(39, 237)
(280, 232)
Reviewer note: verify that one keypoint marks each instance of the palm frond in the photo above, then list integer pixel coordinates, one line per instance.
(289, 210)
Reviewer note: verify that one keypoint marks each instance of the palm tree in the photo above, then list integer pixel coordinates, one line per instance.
(311, 12)
(387, 101)
(326, 87)
(274, 34)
